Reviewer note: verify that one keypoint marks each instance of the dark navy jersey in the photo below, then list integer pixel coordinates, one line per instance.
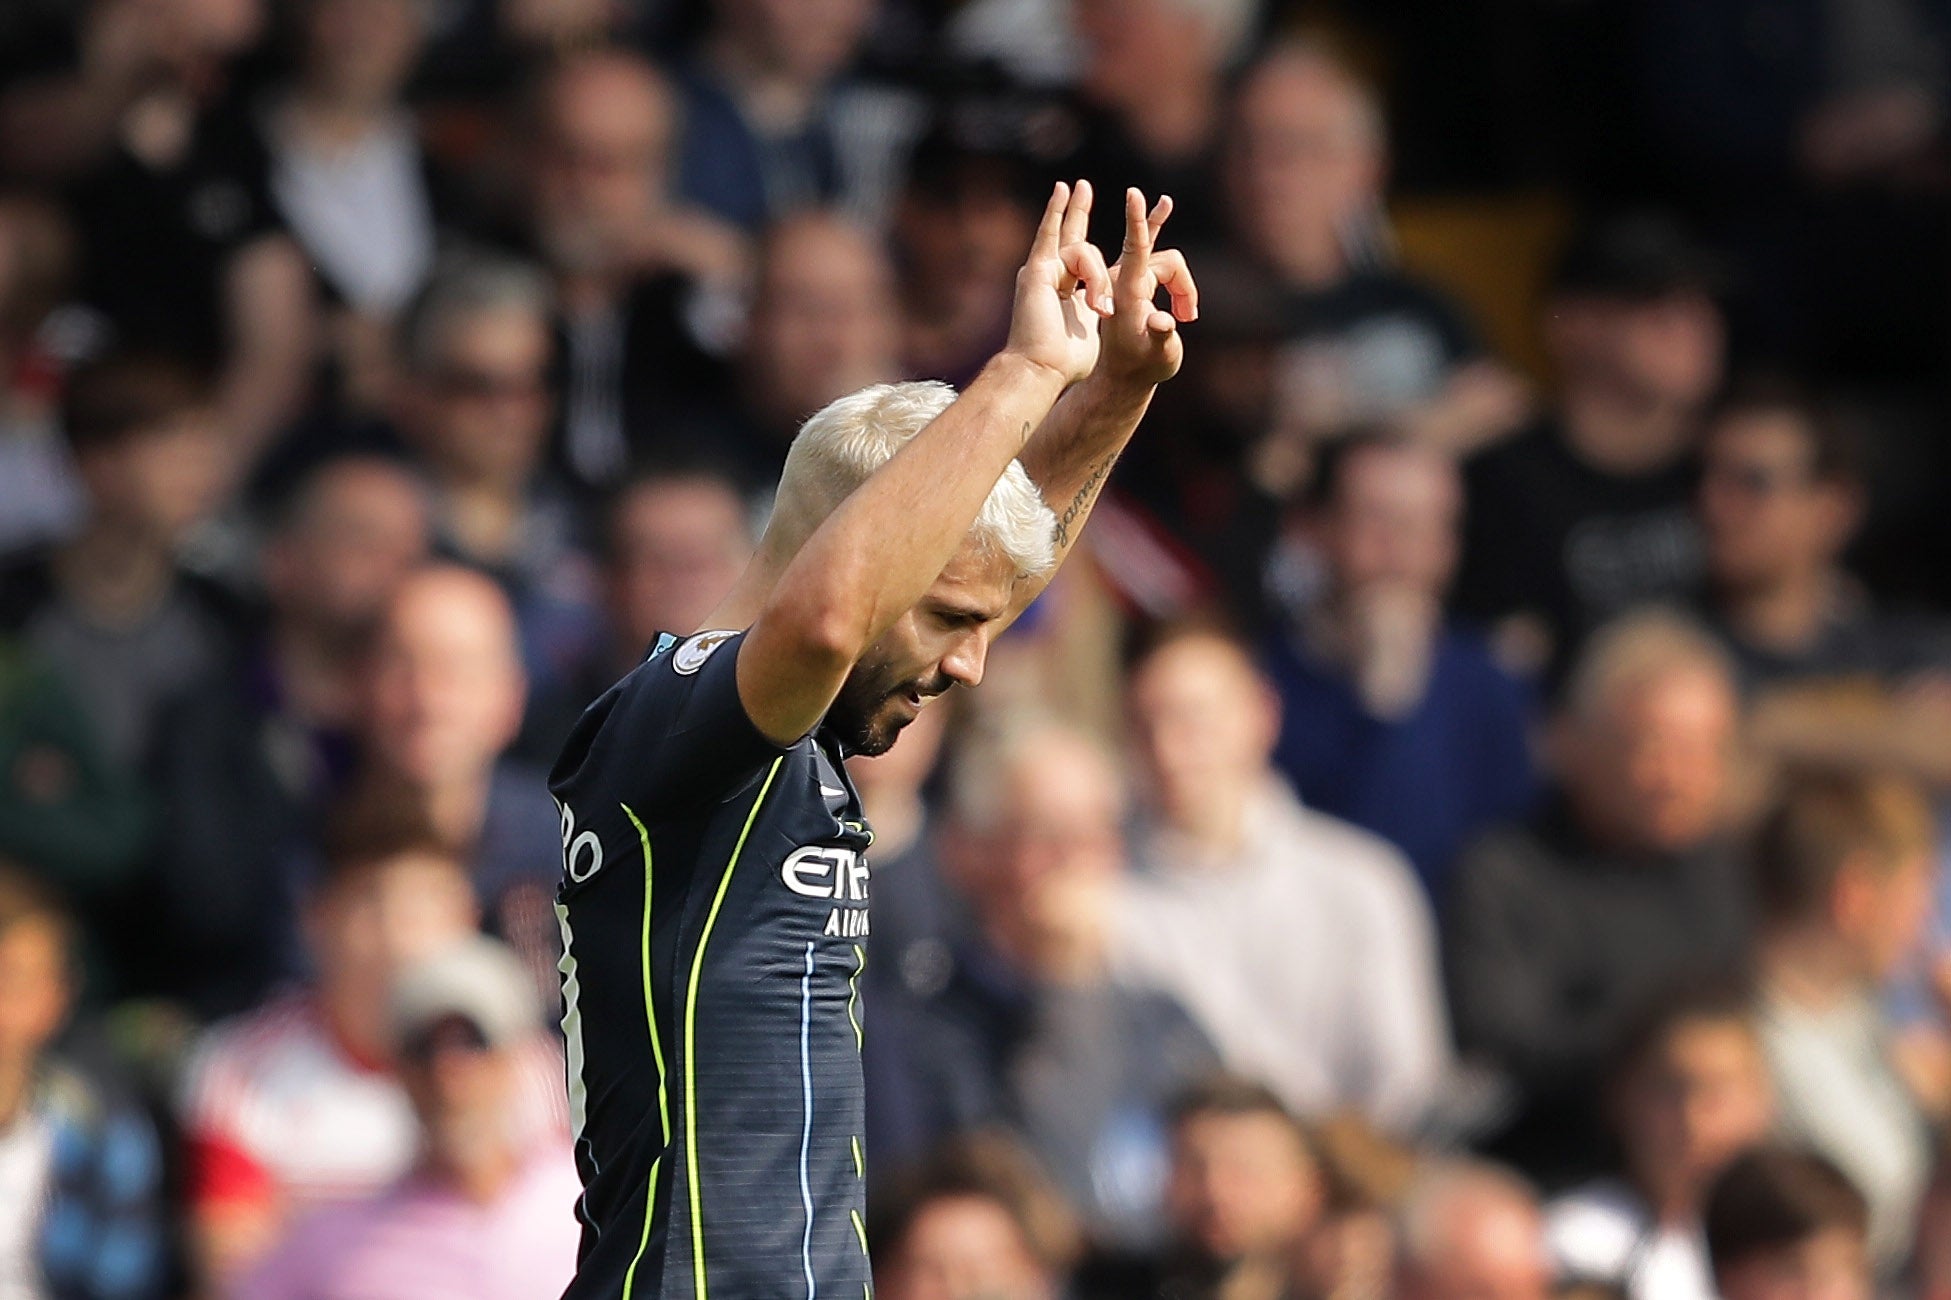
(714, 917)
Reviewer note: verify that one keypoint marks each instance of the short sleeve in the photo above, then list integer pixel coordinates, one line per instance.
(672, 732)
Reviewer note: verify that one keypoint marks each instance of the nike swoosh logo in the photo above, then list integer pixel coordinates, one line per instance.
(832, 793)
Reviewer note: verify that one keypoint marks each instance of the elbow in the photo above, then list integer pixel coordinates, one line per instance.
(819, 629)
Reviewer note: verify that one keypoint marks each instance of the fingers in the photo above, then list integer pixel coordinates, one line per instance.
(1077, 216)
(1050, 229)
(1175, 277)
(1138, 231)
(1160, 211)
(1083, 261)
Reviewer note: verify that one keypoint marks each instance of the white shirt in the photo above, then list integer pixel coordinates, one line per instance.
(1603, 1232)
(361, 212)
(26, 1158)
(1308, 957)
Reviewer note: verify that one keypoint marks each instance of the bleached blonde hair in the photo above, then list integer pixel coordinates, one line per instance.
(849, 438)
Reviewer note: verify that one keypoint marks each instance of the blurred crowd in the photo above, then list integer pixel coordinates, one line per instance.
(1468, 825)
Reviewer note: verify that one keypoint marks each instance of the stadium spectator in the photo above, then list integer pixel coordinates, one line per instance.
(293, 1106)
(1471, 1232)
(1845, 871)
(1305, 165)
(1780, 498)
(1689, 1091)
(475, 408)
(347, 173)
(1589, 512)
(824, 323)
(1782, 1223)
(1024, 1027)
(1243, 1193)
(917, 917)
(630, 261)
(112, 607)
(977, 1221)
(772, 125)
(445, 700)
(76, 822)
(181, 244)
(1300, 944)
(481, 1212)
(1390, 718)
(247, 757)
(1152, 87)
(82, 1215)
(40, 501)
(1557, 928)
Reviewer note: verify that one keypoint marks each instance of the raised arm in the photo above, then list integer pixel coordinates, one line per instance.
(1072, 454)
(887, 543)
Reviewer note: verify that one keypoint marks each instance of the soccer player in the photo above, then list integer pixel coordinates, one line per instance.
(714, 900)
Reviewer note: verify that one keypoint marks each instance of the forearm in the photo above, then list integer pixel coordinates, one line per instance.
(1071, 456)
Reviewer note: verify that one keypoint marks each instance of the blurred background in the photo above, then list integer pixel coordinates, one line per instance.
(1467, 825)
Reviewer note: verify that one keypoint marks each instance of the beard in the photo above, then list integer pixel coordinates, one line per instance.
(872, 707)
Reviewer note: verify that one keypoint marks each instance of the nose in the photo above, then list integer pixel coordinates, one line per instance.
(966, 656)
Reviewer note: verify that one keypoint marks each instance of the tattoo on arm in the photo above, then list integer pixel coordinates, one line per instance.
(1082, 501)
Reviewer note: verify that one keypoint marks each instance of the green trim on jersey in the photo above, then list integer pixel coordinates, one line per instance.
(657, 1054)
(691, 1039)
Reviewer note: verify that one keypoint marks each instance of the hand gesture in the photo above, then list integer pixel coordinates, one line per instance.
(1061, 290)
(1141, 343)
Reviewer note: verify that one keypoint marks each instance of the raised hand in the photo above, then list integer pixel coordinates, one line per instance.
(1141, 343)
(1062, 289)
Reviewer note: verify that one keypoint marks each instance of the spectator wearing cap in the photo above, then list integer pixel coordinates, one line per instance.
(1782, 1222)
(976, 1219)
(1688, 1091)
(1557, 928)
(296, 1105)
(113, 606)
(1390, 717)
(1845, 869)
(1306, 159)
(249, 756)
(81, 1172)
(1589, 512)
(484, 1210)
(1302, 945)
(1833, 677)
(1021, 1023)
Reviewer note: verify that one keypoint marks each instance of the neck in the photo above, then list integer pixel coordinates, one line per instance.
(1171, 123)
(356, 1019)
(1807, 966)
(484, 517)
(117, 575)
(773, 99)
(1618, 434)
(328, 119)
(457, 806)
(1215, 824)
(1312, 259)
(1784, 614)
(481, 1176)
